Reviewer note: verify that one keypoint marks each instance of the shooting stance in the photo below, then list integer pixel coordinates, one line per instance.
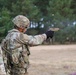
(16, 44)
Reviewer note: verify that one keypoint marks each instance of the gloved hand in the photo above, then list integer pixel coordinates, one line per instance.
(49, 34)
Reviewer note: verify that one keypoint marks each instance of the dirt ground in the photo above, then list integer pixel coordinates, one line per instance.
(52, 60)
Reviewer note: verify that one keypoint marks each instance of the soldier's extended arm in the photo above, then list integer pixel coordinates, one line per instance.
(37, 39)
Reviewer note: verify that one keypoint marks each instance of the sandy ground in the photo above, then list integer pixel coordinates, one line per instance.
(51, 60)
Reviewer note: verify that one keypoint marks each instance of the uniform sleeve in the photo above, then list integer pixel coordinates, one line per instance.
(32, 40)
(22, 38)
(36, 40)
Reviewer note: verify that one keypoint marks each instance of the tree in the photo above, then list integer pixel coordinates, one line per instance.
(46, 13)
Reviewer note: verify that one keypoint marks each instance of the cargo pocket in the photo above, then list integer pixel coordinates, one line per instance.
(15, 58)
(23, 60)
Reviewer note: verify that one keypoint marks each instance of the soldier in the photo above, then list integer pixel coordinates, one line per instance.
(15, 46)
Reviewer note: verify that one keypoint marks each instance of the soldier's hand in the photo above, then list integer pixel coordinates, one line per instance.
(49, 34)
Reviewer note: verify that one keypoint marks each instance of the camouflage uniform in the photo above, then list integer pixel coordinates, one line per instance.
(16, 53)
(15, 46)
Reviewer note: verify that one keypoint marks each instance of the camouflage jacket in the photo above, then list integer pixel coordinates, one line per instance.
(17, 39)
(17, 42)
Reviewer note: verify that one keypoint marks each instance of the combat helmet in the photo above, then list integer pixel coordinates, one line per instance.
(21, 21)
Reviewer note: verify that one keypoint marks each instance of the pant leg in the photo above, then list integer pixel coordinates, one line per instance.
(18, 71)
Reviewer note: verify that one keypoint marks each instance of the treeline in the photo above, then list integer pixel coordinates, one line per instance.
(42, 15)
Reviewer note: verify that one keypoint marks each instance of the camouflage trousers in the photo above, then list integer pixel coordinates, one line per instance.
(16, 64)
(17, 71)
